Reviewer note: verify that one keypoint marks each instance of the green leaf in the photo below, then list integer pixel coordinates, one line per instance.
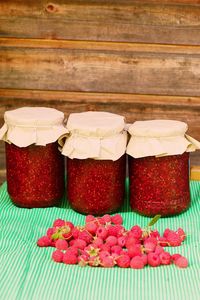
(154, 220)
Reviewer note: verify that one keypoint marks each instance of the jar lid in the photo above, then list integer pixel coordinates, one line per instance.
(97, 135)
(159, 138)
(158, 128)
(94, 123)
(34, 116)
(32, 125)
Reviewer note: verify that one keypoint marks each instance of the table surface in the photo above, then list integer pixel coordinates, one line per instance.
(27, 271)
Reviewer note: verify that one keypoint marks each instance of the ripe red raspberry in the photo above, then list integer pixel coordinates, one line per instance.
(159, 249)
(117, 219)
(61, 244)
(130, 241)
(123, 261)
(106, 218)
(107, 262)
(103, 254)
(80, 244)
(86, 236)
(154, 234)
(136, 232)
(116, 249)
(83, 260)
(98, 241)
(175, 256)
(91, 228)
(137, 262)
(69, 224)
(181, 262)
(58, 223)
(121, 241)
(89, 218)
(153, 259)
(166, 232)
(111, 240)
(44, 241)
(70, 258)
(144, 258)
(162, 241)
(105, 247)
(75, 232)
(173, 239)
(102, 232)
(57, 256)
(152, 240)
(72, 250)
(181, 233)
(165, 258)
(134, 250)
(50, 232)
(149, 247)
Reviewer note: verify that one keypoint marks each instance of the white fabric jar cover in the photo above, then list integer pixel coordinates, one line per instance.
(97, 135)
(159, 138)
(32, 125)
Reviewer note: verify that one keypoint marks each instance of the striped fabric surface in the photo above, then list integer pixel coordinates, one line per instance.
(27, 271)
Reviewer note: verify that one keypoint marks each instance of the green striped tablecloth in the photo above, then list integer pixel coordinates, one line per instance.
(27, 271)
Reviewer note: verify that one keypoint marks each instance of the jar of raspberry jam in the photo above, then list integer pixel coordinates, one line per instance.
(35, 166)
(159, 167)
(96, 162)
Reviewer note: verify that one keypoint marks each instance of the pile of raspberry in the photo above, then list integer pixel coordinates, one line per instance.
(104, 242)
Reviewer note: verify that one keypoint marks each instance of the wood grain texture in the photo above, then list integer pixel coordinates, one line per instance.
(170, 22)
(100, 67)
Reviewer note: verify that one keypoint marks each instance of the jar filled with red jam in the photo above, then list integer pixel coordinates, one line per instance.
(34, 165)
(159, 167)
(96, 162)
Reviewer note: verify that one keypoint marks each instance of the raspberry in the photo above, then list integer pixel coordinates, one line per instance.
(89, 218)
(134, 250)
(58, 223)
(98, 241)
(153, 259)
(61, 244)
(75, 232)
(117, 219)
(137, 262)
(105, 247)
(174, 239)
(70, 224)
(44, 241)
(57, 256)
(144, 258)
(80, 244)
(159, 249)
(166, 232)
(149, 247)
(107, 262)
(70, 258)
(175, 257)
(136, 232)
(103, 254)
(181, 233)
(92, 250)
(72, 250)
(121, 241)
(50, 232)
(86, 236)
(91, 228)
(111, 240)
(162, 241)
(94, 261)
(106, 218)
(123, 261)
(102, 232)
(165, 258)
(116, 249)
(154, 234)
(130, 241)
(83, 260)
(181, 262)
(152, 240)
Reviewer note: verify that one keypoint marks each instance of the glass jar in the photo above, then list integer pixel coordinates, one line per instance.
(34, 165)
(96, 162)
(159, 167)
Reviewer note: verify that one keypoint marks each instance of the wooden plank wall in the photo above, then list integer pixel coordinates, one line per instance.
(137, 58)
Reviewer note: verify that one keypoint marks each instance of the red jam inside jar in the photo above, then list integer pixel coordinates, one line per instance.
(159, 185)
(35, 175)
(96, 186)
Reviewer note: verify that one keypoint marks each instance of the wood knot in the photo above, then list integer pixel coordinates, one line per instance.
(51, 8)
